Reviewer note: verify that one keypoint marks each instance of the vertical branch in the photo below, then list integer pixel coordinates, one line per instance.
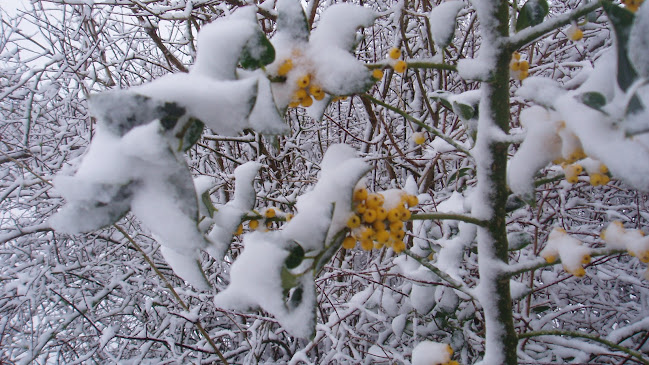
(494, 290)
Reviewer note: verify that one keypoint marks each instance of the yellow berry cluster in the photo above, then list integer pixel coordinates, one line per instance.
(598, 176)
(571, 152)
(632, 240)
(632, 5)
(268, 214)
(519, 68)
(574, 33)
(570, 250)
(394, 60)
(375, 225)
(306, 92)
(307, 89)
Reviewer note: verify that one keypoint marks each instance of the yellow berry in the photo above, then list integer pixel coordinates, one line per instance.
(405, 214)
(515, 66)
(288, 217)
(449, 349)
(398, 235)
(293, 104)
(382, 236)
(369, 216)
(285, 67)
(307, 101)
(524, 65)
(586, 259)
(360, 194)
(381, 214)
(517, 56)
(412, 200)
(394, 215)
(574, 33)
(400, 66)
(304, 81)
(603, 169)
(644, 256)
(399, 246)
(396, 226)
(523, 75)
(361, 208)
(374, 201)
(270, 213)
(377, 74)
(367, 244)
(300, 94)
(354, 222)
(579, 272)
(349, 242)
(395, 53)
(366, 233)
(419, 138)
(253, 224)
(239, 230)
(317, 92)
(550, 258)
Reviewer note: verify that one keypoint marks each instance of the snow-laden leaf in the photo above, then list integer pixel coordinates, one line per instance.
(137, 171)
(291, 21)
(256, 281)
(518, 240)
(639, 41)
(443, 22)
(532, 13)
(257, 52)
(228, 217)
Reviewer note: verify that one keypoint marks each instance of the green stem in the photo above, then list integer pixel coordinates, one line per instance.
(419, 123)
(448, 216)
(528, 35)
(172, 290)
(452, 282)
(576, 334)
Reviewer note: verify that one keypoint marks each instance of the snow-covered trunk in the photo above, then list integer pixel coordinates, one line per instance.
(491, 157)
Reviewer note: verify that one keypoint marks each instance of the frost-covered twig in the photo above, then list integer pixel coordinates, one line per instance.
(417, 64)
(638, 356)
(452, 282)
(172, 290)
(539, 262)
(448, 216)
(419, 123)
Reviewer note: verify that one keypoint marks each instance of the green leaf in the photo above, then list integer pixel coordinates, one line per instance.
(513, 203)
(465, 111)
(622, 20)
(295, 256)
(458, 174)
(289, 280)
(531, 14)
(170, 113)
(330, 251)
(190, 134)
(207, 201)
(518, 240)
(593, 99)
(540, 308)
(257, 52)
(442, 97)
